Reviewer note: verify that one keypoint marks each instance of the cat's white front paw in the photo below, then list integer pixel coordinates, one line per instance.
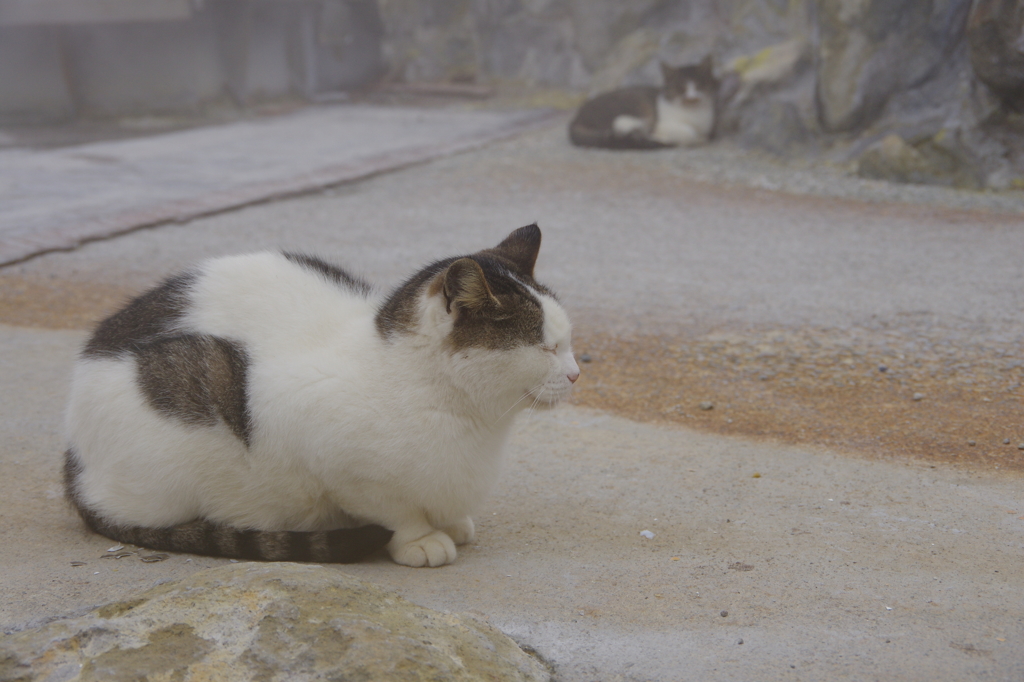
(433, 549)
(462, 531)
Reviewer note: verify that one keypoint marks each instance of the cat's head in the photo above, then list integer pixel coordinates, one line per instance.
(502, 333)
(691, 84)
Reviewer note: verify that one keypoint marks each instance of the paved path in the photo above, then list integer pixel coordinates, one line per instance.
(56, 199)
(826, 564)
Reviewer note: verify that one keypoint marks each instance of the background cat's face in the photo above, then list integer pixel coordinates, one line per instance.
(691, 84)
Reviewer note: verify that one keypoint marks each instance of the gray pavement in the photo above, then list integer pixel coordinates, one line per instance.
(826, 565)
(58, 198)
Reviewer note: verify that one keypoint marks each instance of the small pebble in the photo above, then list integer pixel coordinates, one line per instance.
(883, 368)
(756, 475)
(647, 534)
(919, 396)
(723, 614)
(585, 357)
(971, 443)
(1021, 446)
(740, 642)
(1006, 441)
(707, 405)
(116, 548)
(78, 563)
(153, 558)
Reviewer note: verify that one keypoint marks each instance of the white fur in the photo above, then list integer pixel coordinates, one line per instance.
(680, 123)
(625, 125)
(348, 428)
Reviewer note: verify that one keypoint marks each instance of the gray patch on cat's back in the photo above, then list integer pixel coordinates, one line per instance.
(144, 319)
(331, 272)
(198, 380)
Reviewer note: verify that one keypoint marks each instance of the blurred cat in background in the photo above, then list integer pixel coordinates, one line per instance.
(681, 112)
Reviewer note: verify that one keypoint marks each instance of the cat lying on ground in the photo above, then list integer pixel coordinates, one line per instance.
(270, 406)
(682, 112)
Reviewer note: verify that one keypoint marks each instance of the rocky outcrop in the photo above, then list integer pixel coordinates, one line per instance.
(266, 622)
(809, 76)
(871, 49)
(995, 34)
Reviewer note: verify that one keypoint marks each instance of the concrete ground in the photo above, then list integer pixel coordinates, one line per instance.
(825, 519)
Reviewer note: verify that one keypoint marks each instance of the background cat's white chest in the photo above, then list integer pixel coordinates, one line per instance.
(683, 125)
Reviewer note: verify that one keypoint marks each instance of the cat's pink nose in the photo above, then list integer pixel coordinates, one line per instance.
(572, 377)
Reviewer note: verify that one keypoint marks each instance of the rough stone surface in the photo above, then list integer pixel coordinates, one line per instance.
(994, 36)
(266, 622)
(814, 76)
(893, 159)
(871, 49)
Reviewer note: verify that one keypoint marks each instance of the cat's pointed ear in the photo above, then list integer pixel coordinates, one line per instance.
(465, 286)
(521, 247)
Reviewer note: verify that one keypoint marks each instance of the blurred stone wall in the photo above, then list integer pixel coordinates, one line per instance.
(807, 74)
(131, 60)
(906, 90)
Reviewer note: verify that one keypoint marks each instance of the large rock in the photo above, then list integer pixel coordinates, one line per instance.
(995, 33)
(266, 622)
(871, 49)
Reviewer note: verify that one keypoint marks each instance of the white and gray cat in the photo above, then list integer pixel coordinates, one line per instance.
(271, 406)
(682, 112)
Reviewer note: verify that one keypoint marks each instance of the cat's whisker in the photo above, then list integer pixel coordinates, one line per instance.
(521, 399)
(535, 401)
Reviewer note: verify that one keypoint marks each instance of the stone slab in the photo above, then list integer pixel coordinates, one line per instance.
(59, 198)
(264, 622)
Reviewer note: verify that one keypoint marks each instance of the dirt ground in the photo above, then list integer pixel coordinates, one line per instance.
(880, 393)
(906, 398)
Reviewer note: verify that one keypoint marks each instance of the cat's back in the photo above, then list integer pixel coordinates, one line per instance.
(269, 297)
(601, 110)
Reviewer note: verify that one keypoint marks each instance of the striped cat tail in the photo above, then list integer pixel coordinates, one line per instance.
(339, 546)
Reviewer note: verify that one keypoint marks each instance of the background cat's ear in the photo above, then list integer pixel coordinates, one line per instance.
(521, 247)
(465, 286)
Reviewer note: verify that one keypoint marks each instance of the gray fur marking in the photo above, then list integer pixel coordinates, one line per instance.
(332, 272)
(197, 379)
(146, 318)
